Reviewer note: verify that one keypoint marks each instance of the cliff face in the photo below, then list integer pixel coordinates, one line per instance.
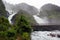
(3, 12)
(51, 12)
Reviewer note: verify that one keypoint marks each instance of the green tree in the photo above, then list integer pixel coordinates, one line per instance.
(23, 24)
(4, 24)
(24, 27)
(4, 27)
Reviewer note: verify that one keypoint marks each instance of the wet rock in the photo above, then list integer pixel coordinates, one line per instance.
(52, 35)
(58, 35)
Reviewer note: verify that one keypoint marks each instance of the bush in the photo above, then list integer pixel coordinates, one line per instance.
(10, 32)
(4, 24)
(24, 27)
(26, 36)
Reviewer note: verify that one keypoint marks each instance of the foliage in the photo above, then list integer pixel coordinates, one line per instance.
(26, 36)
(53, 14)
(23, 27)
(10, 32)
(7, 31)
(27, 16)
(4, 24)
(23, 24)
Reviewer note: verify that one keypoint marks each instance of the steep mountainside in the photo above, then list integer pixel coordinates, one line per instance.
(26, 14)
(27, 10)
(51, 12)
(22, 6)
(3, 12)
(30, 9)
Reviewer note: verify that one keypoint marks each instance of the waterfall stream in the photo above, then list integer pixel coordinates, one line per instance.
(40, 21)
(10, 17)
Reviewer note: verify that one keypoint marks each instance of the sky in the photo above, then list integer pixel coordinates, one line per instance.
(36, 3)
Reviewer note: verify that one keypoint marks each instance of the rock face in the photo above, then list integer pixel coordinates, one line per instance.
(26, 14)
(51, 12)
(3, 12)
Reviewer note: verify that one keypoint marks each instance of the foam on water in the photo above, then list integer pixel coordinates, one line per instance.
(40, 21)
(42, 35)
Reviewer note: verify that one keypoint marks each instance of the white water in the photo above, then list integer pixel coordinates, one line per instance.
(10, 17)
(39, 35)
(42, 35)
(37, 19)
(40, 20)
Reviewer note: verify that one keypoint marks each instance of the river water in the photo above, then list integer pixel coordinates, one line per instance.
(43, 35)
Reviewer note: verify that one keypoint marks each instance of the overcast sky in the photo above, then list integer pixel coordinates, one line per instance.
(36, 3)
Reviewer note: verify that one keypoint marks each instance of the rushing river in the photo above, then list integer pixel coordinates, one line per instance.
(43, 35)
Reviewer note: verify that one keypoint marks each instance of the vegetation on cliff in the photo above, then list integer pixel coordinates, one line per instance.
(20, 31)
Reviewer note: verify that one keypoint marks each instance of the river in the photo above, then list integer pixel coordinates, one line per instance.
(43, 35)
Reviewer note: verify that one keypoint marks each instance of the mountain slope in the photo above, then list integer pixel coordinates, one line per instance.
(51, 12)
(29, 10)
(3, 12)
(26, 14)
(21, 6)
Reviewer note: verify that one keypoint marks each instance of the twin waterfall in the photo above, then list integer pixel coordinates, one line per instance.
(39, 35)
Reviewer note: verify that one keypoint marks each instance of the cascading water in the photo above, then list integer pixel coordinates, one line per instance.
(40, 21)
(10, 17)
(38, 35)
(43, 35)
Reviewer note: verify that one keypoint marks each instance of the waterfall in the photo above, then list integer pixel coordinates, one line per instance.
(40, 20)
(10, 17)
(37, 35)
